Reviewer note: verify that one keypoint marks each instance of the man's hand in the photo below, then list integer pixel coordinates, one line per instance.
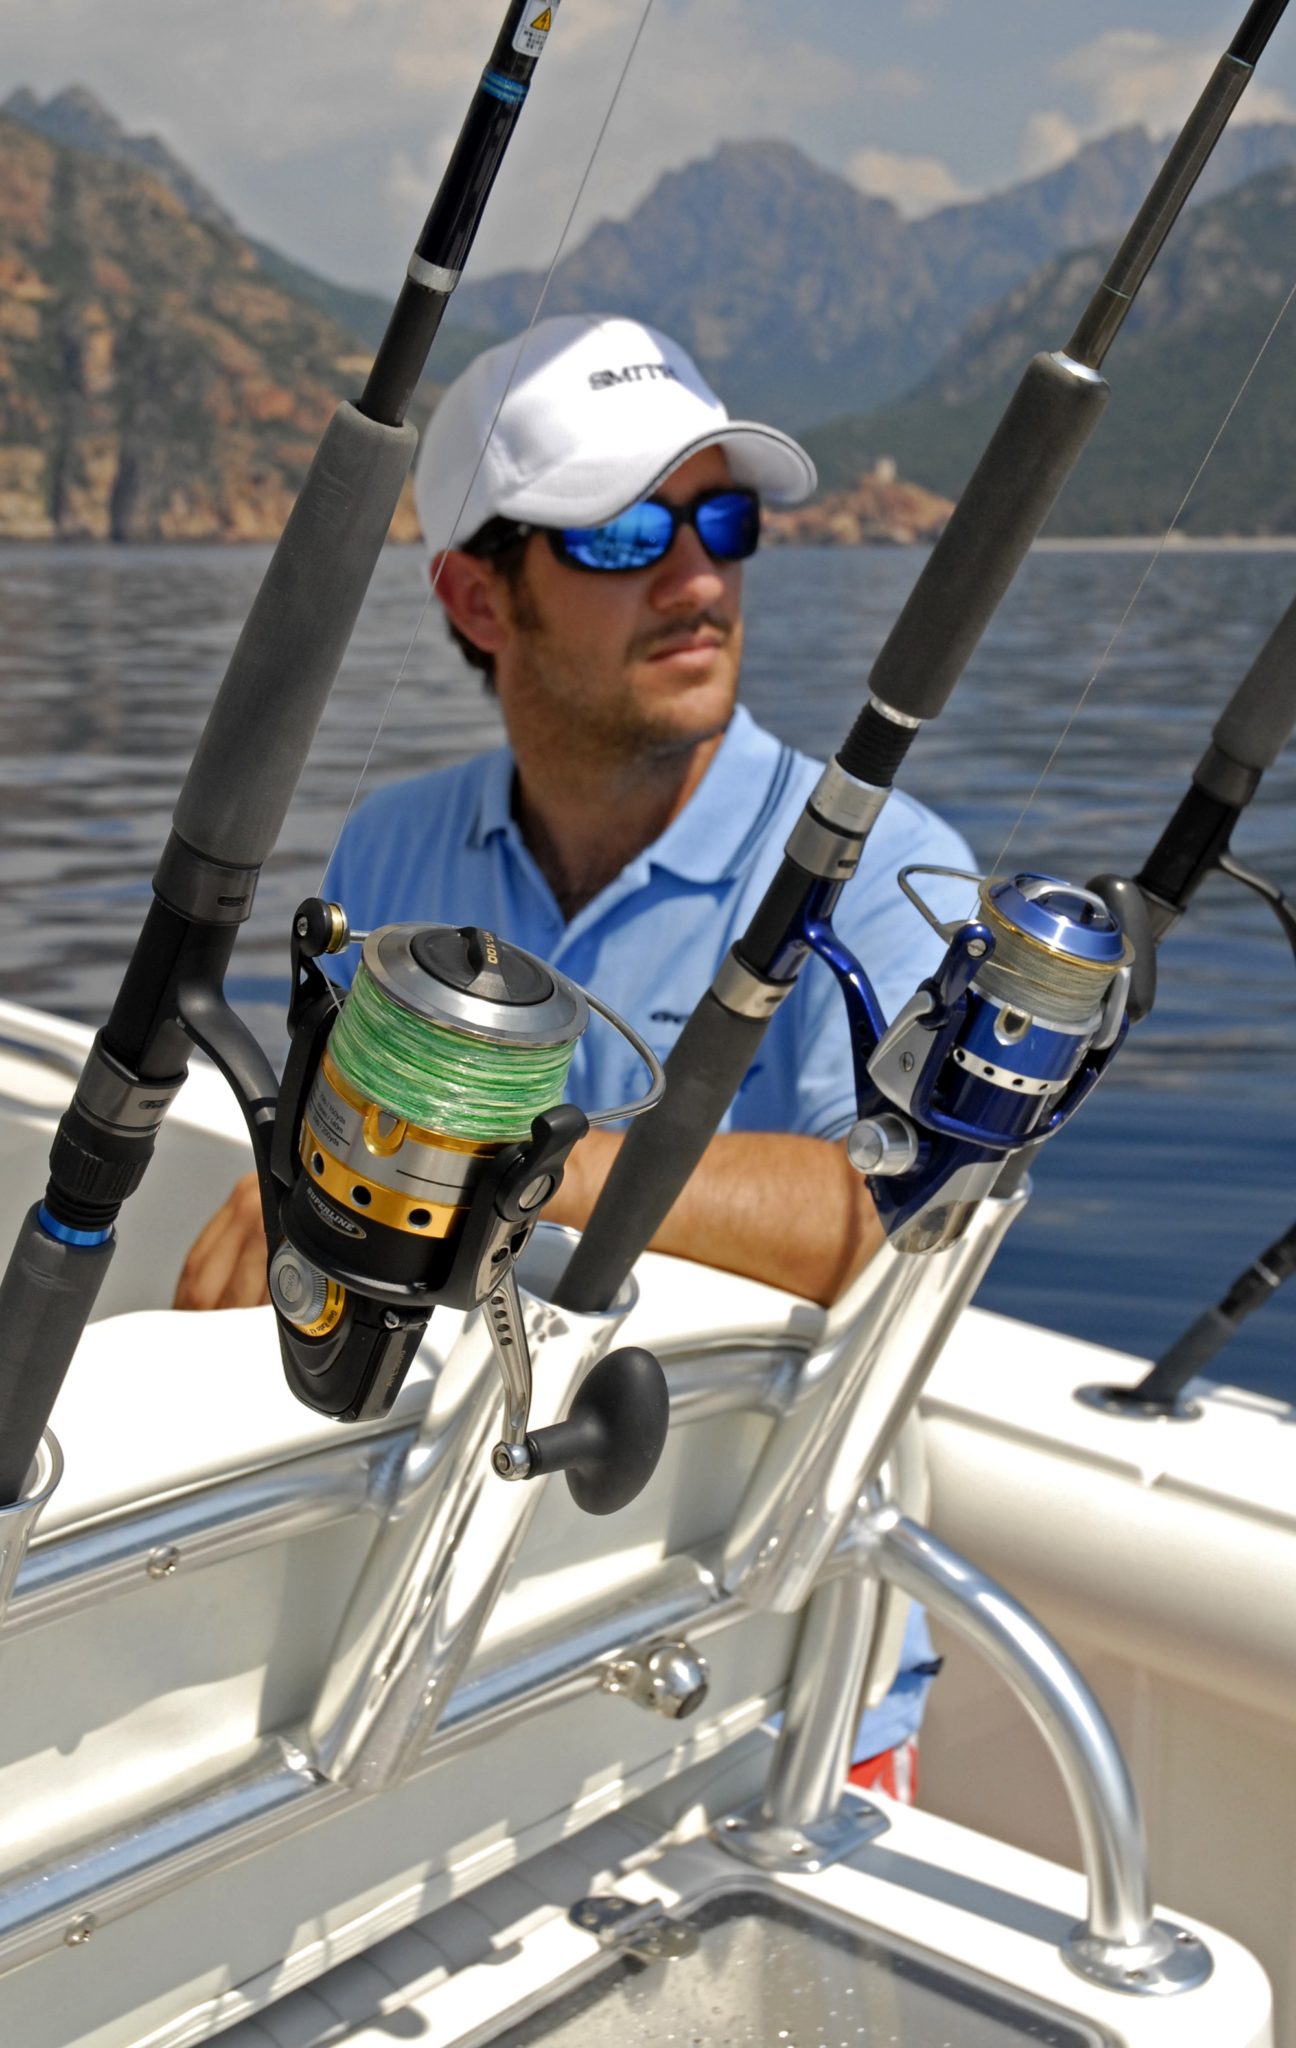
(226, 1266)
(785, 1209)
(781, 1208)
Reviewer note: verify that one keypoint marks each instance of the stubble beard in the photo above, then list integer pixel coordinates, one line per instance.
(595, 707)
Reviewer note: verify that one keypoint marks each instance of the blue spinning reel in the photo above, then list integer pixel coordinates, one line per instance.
(994, 1052)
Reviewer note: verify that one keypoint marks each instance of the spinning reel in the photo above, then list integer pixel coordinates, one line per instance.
(994, 1052)
(419, 1133)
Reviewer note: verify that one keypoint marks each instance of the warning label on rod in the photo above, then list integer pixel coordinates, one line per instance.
(534, 26)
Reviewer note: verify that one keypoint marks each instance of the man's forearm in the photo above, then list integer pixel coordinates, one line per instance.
(788, 1210)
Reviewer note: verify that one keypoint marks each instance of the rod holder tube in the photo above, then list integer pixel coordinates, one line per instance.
(1120, 1944)
(18, 1520)
(1005, 502)
(845, 1416)
(47, 1295)
(821, 1712)
(234, 798)
(448, 1533)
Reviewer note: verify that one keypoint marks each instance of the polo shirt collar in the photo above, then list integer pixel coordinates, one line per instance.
(494, 798)
(705, 842)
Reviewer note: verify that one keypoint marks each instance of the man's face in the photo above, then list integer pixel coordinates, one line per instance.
(644, 661)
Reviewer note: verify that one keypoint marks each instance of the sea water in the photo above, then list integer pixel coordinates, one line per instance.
(1174, 1176)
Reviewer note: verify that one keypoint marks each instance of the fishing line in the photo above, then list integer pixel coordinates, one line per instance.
(1122, 622)
(434, 580)
(437, 1078)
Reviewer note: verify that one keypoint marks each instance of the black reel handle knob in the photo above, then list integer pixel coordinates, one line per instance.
(611, 1441)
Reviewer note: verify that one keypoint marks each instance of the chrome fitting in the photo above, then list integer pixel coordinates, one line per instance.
(770, 1845)
(903, 718)
(117, 1100)
(841, 800)
(433, 277)
(1170, 1959)
(1081, 373)
(19, 1519)
(511, 1461)
(883, 1145)
(745, 993)
(648, 1932)
(822, 850)
(667, 1677)
(297, 1288)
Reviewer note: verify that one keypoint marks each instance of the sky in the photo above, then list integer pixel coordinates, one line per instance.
(323, 125)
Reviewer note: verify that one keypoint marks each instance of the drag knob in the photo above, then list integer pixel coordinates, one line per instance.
(611, 1441)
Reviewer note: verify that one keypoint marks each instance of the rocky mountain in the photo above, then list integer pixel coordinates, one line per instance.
(795, 291)
(75, 119)
(162, 376)
(154, 383)
(1207, 306)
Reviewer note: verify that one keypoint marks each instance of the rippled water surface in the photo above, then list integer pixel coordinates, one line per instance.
(1171, 1180)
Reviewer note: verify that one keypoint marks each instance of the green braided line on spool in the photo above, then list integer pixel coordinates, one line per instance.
(440, 1078)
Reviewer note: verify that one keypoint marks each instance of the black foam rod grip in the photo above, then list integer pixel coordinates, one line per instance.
(1008, 497)
(1256, 723)
(237, 791)
(703, 1074)
(46, 1297)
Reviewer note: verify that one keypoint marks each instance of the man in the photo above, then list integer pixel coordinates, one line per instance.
(629, 829)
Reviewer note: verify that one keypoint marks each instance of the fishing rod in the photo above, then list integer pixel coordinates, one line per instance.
(1247, 739)
(376, 1282)
(1160, 1392)
(1039, 440)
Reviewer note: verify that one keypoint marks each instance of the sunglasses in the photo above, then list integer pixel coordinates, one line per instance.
(726, 521)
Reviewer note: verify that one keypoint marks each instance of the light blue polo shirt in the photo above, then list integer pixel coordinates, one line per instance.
(445, 848)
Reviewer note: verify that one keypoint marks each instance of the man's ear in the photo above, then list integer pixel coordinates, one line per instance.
(474, 596)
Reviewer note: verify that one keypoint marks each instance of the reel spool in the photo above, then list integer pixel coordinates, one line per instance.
(448, 1047)
(995, 1051)
(420, 1132)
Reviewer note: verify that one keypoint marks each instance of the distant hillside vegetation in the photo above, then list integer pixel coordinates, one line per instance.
(1206, 308)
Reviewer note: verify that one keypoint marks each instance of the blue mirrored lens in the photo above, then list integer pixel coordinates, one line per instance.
(636, 539)
(728, 525)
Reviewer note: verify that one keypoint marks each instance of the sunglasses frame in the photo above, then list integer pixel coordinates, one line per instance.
(559, 538)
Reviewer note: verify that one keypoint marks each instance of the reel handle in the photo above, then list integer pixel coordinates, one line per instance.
(611, 1441)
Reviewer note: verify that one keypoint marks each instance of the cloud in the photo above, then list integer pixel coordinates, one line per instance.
(699, 76)
(1130, 75)
(917, 184)
(1048, 139)
(324, 125)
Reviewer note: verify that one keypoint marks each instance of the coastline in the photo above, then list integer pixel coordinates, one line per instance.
(1093, 544)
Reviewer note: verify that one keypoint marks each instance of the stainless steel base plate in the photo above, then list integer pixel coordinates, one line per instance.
(1171, 1959)
(772, 1845)
(1124, 1401)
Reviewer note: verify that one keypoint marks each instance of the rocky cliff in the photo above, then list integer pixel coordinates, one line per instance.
(155, 384)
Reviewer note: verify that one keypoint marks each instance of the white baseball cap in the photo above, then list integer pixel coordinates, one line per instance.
(574, 421)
